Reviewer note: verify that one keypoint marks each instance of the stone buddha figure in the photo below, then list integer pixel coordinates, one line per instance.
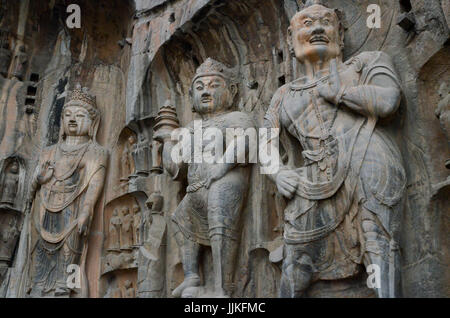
(127, 160)
(209, 214)
(345, 201)
(66, 186)
(126, 234)
(114, 230)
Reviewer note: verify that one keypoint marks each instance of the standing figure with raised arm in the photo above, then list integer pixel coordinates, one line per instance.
(210, 213)
(68, 181)
(346, 200)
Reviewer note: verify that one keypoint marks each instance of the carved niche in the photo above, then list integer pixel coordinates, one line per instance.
(123, 228)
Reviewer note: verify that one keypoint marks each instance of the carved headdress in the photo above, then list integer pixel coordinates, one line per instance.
(81, 97)
(213, 67)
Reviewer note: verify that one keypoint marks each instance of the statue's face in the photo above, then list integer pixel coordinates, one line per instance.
(76, 121)
(314, 34)
(14, 168)
(211, 94)
(131, 140)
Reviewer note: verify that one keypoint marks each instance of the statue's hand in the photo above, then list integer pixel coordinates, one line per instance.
(287, 183)
(162, 135)
(45, 172)
(330, 90)
(82, 224)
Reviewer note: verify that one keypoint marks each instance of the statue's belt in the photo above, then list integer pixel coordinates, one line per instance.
(293, 236)
(324, 190)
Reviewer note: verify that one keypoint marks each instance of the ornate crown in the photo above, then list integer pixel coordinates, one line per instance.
(213, 67)
(81, 97)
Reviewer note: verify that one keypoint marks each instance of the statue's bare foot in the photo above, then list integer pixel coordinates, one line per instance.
(191, 292)
(220, 293)
(191, 281)
(60, 291)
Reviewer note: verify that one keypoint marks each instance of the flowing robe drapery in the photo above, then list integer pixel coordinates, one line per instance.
(56, 209)
(356, 166)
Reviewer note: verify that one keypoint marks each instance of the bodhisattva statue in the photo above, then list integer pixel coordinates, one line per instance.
(66, 186)
(114, 230)
(137, 220)
(210, 212)
(126, 235)
(346, 199)
(127, 161)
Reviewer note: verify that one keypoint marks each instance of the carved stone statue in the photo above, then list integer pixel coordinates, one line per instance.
(152, 257)
(9, 234)
(126, 235)
(141, 155)
(136, 225)
(66, 186)
(346, 200)
(20, 63)
(10, 184)
(114, 231)
(209, 214)
(127, 161)
(443, 113)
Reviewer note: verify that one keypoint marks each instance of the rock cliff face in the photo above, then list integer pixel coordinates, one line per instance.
(135, 56)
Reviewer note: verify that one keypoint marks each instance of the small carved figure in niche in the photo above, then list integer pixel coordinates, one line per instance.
(210, 213)
(126, 235)
(126, 160)
(9, 232)
(141, 155)
(443, 113)
(351, 187)
(20, 63)
(114, 230)
(5, 57)
(137, 217)
(10, 184)
(65, 188)
(9, 238)
(129, 289)
(154, 222)
(152, 261)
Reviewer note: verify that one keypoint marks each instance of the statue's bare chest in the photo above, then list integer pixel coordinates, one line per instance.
(307, 115)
